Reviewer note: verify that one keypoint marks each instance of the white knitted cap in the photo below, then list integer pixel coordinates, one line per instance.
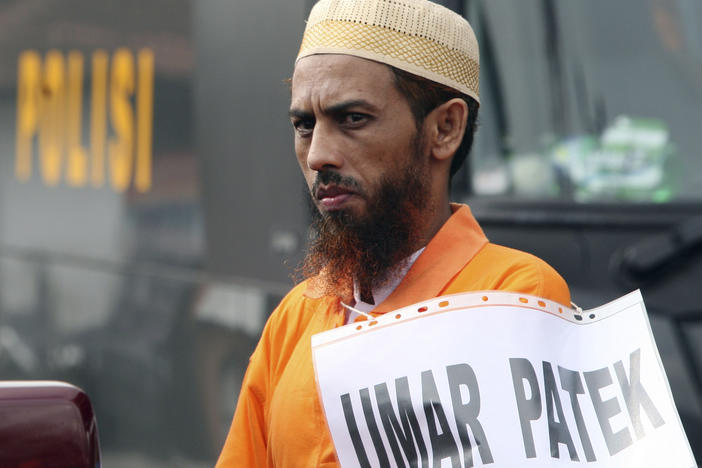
(416, 36)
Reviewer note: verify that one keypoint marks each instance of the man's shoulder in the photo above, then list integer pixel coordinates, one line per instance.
(299, 304)
(510, 256)
(503, 268)
(297, 293)
(293, 315)
(295, 299)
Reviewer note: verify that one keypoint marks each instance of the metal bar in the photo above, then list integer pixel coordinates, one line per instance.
(689, 358)
(137, 268)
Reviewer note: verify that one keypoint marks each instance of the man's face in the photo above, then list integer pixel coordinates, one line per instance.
(353, 129)
(365, 165)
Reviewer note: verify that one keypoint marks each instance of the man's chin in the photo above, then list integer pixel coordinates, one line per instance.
(345, 214)
(368, 235)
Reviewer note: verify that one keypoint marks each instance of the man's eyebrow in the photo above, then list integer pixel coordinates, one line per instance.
(334, 108)
(300, 114)
(345, 105)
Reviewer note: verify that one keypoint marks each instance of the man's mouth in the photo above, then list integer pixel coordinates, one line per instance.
(333, 197)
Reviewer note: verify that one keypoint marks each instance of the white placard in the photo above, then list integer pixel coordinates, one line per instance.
(502, 380)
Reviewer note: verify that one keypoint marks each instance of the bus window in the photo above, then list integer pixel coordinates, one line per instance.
(593, 101)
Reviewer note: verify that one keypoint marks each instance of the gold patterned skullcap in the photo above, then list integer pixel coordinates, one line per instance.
(416, 36)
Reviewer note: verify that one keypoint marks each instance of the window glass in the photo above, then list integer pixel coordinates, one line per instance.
(589, 100)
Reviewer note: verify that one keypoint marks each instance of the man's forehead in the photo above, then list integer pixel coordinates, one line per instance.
(341, 77)
(417, 36)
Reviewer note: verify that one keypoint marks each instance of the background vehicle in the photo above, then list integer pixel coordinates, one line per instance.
(151, 209)
(46, 424)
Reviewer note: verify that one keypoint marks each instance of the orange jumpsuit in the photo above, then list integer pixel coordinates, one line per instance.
(279, 421)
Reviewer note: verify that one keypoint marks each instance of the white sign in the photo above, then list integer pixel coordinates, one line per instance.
(502, 380)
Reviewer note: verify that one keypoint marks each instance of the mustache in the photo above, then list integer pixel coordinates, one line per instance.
(329, 177)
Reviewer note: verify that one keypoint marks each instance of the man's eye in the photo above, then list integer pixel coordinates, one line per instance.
(303, 126)
(354, 118)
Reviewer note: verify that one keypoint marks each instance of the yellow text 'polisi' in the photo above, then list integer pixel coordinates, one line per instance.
(50, 118)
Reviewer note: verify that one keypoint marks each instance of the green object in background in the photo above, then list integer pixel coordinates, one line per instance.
(626, 163)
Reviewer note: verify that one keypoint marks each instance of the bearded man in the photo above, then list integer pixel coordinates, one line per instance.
(384, 104)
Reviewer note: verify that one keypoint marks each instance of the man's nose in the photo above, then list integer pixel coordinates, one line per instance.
(324, 152)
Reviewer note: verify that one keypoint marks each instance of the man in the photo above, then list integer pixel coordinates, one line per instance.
(384, 102)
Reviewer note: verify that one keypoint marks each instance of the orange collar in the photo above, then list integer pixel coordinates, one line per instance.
(456, 243)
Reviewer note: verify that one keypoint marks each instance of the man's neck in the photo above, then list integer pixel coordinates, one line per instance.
(368, 295)
(365, 292)
(435, 218)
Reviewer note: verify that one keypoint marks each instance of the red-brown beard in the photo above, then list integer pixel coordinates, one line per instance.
(368, 248)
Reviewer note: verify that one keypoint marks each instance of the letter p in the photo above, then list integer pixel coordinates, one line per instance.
(529, 408)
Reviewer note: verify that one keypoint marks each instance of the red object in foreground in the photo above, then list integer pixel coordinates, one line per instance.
(47, 425)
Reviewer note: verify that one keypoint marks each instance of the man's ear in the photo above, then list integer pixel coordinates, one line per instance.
(446, 127)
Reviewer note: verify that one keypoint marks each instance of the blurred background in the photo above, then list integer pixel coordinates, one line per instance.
(151, 210)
